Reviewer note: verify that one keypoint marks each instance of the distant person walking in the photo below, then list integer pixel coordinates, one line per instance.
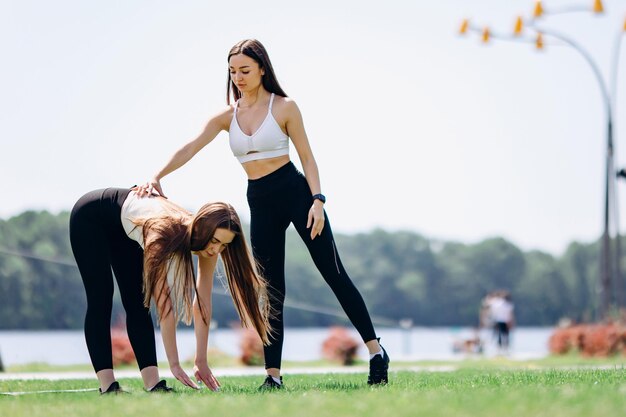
(501, 311)
(261, 123)
(148, 242)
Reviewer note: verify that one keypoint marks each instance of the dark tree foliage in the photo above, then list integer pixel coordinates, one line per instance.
(400, 275)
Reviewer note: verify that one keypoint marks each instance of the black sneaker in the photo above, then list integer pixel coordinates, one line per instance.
(114, 388)
(270, 384)
(161, 387)
(379, 365)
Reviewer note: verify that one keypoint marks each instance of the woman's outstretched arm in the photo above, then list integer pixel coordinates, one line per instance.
(167, 322)
(215, 125)
(204, 284)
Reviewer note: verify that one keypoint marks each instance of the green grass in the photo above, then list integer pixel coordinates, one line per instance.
(564, 361)
(466, 392)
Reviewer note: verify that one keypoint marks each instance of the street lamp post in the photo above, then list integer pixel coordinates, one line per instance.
(610, 283)
(619, 287)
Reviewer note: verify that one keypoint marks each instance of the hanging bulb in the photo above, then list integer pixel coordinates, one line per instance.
(539, 41)
(486, 34)
(519, 26)
(464, 26)
(538, 12)
(597, 6)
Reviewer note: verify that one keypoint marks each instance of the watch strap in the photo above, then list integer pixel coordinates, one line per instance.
(320, 197)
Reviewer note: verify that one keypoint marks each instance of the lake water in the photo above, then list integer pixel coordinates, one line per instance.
(301, 344)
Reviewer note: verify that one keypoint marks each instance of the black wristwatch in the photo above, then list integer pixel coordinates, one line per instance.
(320, 197)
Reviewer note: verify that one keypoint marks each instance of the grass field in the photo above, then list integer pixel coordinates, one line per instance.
(481, 388)
(472, 362)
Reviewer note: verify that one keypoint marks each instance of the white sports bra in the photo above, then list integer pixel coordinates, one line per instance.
(269, 141)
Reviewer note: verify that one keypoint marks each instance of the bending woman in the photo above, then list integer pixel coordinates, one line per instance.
(148, 242)
(260, 124)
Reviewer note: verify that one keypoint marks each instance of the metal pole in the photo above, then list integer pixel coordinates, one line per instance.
(605, 274)
(606, 267)
(620, 296)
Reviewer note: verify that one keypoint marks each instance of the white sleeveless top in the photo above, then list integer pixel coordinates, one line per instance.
(269, 141)
(135, 208)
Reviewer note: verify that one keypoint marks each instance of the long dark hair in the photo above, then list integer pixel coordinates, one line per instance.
(248, 289)
(255, 50)
(171, 238)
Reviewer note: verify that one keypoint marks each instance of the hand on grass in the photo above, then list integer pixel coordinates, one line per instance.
(182, 376)
(203, 374)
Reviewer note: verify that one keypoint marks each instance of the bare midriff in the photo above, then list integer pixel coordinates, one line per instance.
(261, 167)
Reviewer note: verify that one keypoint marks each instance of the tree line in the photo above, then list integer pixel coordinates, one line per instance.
(401, 275)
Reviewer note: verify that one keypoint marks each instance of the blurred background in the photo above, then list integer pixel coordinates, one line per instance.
(456, 160)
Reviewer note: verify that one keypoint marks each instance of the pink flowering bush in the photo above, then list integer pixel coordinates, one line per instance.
(340, 346)
(123, 353)
(600, 339)
(251, 348)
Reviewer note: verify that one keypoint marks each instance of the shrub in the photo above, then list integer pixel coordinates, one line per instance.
(600, 339)
(122, 350)
(251, 348)
(340, 347)
(566, 339)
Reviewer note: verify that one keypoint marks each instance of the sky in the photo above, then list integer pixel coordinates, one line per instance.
(413, 126)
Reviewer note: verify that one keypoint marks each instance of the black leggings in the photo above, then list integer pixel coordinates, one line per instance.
(276, 200)
(99, 243)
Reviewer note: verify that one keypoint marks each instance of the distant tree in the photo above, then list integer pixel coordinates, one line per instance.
(472, 271)
(580, 266)
(400, 275)
(543, 296)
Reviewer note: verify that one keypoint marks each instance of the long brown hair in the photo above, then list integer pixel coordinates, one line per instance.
(255, 50)
(171, 238)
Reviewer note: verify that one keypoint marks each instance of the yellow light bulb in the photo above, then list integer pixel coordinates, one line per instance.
(464, 26)
(486, 34)
(597, 6)
(519, 26)
(539, 41)
(538, 12)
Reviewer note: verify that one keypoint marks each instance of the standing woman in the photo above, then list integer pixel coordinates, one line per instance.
(260, 124)
(148, 242)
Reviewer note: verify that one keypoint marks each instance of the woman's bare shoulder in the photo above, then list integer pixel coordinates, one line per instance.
(284, 101)
(226, 112)
(286, 105)
(223, 116)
